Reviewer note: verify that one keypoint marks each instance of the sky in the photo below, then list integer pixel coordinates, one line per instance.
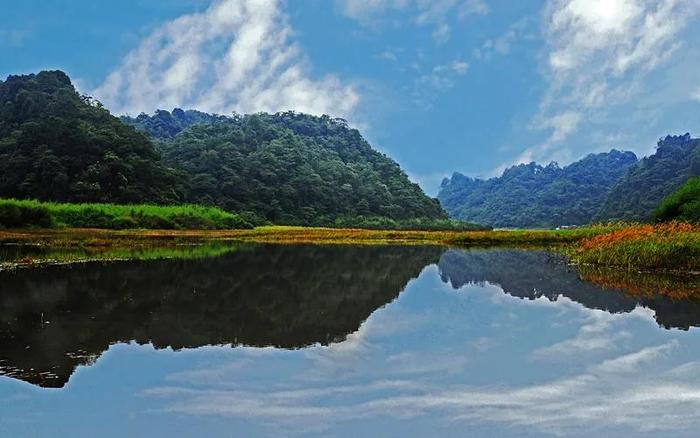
(472, 86)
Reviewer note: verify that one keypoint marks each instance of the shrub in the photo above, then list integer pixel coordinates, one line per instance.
(15, 214)
(681, 205)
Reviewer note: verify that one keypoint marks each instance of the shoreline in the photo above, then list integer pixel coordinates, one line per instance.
(97, 237)
(630, 248)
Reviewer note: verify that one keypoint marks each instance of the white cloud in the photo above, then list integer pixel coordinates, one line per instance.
(441, 76)
(435, 13)
(614, 395)
(502, 44)
(696, 94)
(603, 58)
(234, 56)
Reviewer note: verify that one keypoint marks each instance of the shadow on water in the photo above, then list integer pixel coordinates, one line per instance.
(54, 318)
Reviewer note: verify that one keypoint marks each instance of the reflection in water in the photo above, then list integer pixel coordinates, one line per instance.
(534, 274)
(56, 318)
(563, 358)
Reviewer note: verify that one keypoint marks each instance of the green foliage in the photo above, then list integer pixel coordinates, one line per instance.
(533, 196)
(681, 205)
(636, 196)
(14, 213)
(384, 223)
(288, 168)
(163, 124)
(60, 146)
(17, 214)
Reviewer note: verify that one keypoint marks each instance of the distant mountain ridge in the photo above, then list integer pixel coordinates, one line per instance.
(532, 195)
(639, 191)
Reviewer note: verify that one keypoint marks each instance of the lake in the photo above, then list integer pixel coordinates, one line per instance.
(270, 340)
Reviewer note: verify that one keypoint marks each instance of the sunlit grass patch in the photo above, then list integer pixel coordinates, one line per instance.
(28, 213)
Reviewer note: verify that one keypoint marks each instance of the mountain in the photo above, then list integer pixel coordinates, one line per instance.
(288, 167)
(58, 145)
(531, 195)
(639, 192)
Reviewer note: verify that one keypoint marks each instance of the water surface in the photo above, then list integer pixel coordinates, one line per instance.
(342, 341)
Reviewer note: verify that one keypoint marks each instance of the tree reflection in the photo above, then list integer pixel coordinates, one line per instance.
(58, 317)
(530, 274)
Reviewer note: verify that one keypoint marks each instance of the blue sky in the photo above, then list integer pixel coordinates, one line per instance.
(441, 86)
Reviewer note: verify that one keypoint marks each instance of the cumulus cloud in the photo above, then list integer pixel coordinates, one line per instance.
(237, 55)
(600, 60)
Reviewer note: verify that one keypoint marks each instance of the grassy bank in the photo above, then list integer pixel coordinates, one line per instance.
(647, 248)
(664, 247)
(12, 257)
(35, 214)
(293, 235)
(22, 214)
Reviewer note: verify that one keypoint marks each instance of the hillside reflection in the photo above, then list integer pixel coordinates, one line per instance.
(532, 274)
(58, 317)
(55, 318)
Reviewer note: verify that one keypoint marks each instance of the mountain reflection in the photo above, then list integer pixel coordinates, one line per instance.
(58, 317)
(532, 274)
(55, 318)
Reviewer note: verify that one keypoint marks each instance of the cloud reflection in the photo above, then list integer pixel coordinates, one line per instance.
(618, 389)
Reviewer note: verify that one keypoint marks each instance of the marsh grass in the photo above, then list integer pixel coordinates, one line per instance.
(296, 235)
(28, 256)
(28, 213)
(673, 246)
(644, 285)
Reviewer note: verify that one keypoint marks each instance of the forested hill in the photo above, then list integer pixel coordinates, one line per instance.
(531, 195)
(163, 124)
(58, 145)
(639, 192)
(287, 167)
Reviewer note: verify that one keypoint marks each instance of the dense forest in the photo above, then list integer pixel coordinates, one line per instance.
(639, 192)
(287, 168)
(60, 146)
(531, 195)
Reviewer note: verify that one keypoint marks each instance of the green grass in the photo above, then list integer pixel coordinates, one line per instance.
(27, 213)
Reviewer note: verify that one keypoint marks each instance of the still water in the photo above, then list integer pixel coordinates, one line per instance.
(342, 341)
